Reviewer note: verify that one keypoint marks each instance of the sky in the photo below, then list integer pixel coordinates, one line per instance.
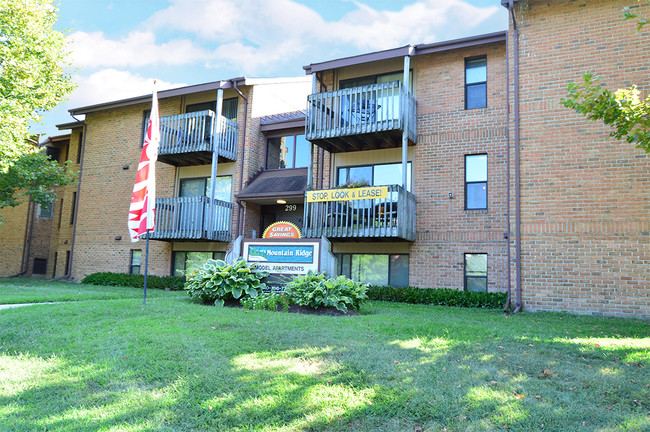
(118, 47)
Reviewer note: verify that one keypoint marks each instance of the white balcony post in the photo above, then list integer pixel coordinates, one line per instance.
(216, 132)
(310, 171)
(405, 119)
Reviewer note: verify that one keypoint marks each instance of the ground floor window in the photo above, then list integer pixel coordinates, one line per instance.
(475, 272)
(185, 262)
(136, 261)
(375, 269)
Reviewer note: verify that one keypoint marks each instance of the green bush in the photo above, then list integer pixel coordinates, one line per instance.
(443, 297)
(315, 290)
(217, 281)
(172, 283)
(267, 302)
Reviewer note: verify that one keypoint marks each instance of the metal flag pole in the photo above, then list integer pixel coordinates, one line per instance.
(146, 268)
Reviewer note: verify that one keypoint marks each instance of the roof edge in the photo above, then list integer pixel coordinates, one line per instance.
(410, 50)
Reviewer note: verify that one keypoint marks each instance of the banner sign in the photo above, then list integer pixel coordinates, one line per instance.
(347, 194)
(295, 258)
(281, 230)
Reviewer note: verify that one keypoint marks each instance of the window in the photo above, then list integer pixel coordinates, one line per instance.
(476, 182)
(376, 175)
(369, 106)
(145, 124)
(45, 210)
(74, 204)
(60, 212)
(80, 143)
(67, 263)
(228, 108)
(476, 272)
(376, 269)
(476, 83)
(40, 266)
(185, 262)
(136, 261)
(200, 186)
(52, 153)
(291, 151)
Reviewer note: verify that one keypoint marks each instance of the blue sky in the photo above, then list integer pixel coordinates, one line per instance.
(117, 47)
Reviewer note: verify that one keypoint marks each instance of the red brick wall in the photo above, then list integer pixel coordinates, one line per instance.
(446, 133)
(585, 197)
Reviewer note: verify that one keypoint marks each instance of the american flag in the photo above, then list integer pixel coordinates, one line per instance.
(143, 201)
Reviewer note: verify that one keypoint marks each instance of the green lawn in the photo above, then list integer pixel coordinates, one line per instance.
(172, 365)
(21, 290)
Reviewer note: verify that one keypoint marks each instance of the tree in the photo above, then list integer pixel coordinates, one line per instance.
(32, 80)
(623, 109)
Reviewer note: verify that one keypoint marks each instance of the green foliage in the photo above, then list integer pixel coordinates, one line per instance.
(315, 290)
(442, 297)
(267, 302)
(32, 79)
(217, 281)
(172, 283)
(628, 14)
(623, 110)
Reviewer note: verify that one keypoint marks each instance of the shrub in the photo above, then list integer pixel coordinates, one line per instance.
(443, 297)
(172, 283)
(315, 290)
(217, 281)
(267, 302)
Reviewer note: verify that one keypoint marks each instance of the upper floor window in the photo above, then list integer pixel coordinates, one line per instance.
(145, 124)
(200, 186)
(45, 210)
(228, 108)
(376, 79)
(476, 182)
(290, 151)
(476, 82)
(375, 175)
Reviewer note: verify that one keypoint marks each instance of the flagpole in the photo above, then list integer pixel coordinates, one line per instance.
(146, 269)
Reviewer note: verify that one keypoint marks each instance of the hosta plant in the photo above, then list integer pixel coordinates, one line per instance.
(316, 290)
(217, 281)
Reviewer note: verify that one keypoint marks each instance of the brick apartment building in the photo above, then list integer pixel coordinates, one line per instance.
(488, 182)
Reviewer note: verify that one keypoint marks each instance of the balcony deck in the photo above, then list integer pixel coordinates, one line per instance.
(188, 139)
(192, 218)
(380, 218)
(361, 118)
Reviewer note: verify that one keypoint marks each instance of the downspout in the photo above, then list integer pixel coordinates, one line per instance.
(240, 212)
(518, 304)
(76, 205)
(507, 235)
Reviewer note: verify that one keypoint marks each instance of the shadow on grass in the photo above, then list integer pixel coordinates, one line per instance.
(178, 366)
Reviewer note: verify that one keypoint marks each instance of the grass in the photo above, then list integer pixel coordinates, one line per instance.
(173, 365)
(20, 290)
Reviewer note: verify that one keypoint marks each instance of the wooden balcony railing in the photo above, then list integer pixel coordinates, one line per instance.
(198, 131)
(390, 217)
(192, 218)
(361, 110)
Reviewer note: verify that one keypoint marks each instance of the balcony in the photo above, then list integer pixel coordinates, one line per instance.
(361, 118)
(392, 217)
(192, 218)
(189, 139)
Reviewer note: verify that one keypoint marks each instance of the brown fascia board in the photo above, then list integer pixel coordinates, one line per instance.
(408, 50)
(71, 125)
(181, 91)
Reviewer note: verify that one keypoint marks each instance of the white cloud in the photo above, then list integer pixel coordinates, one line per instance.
(259, 36)
(135, 50)
(111, 84)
